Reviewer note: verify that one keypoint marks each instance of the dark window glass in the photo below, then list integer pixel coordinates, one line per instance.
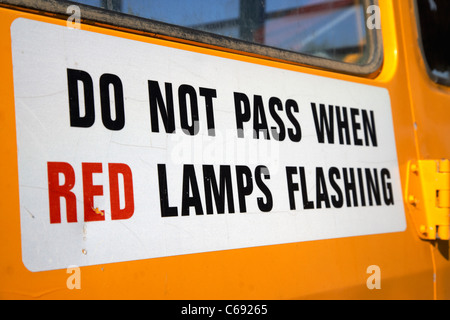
(434, 25)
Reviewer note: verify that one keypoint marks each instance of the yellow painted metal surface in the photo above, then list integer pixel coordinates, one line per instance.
(331, 269)
(429, 106)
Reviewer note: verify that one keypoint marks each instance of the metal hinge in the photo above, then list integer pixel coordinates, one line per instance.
(428, 197)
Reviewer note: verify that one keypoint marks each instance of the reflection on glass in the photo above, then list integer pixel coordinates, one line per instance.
(333, 29)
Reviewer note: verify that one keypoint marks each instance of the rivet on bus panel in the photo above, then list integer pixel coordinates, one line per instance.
(412, 200)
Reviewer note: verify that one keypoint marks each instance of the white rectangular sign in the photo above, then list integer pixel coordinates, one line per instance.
(129, 150)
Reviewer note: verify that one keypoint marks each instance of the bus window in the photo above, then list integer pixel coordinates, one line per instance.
(331, 29)
(433, 24)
